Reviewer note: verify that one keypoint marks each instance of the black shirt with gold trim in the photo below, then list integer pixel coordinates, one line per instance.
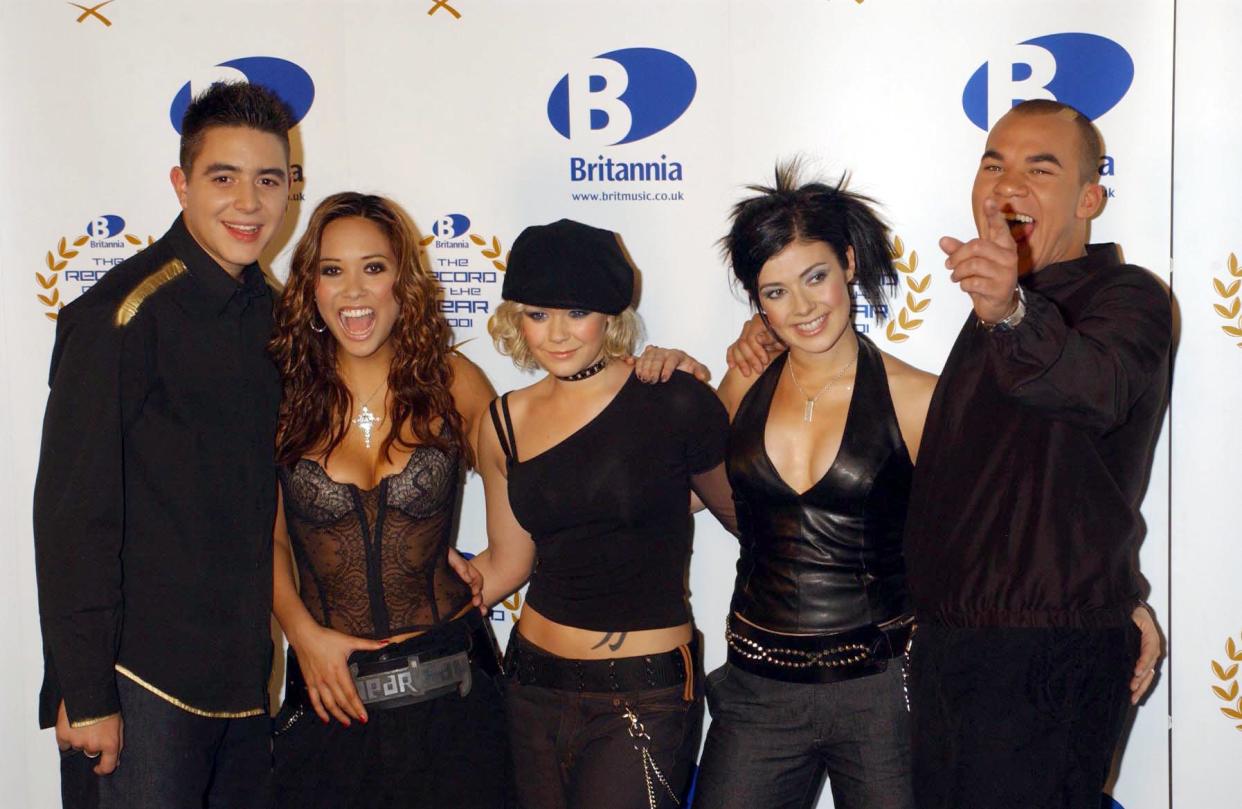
(155, 496)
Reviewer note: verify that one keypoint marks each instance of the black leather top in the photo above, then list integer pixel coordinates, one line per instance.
(829, 559)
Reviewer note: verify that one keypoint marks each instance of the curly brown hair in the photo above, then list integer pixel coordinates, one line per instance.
(316, 402)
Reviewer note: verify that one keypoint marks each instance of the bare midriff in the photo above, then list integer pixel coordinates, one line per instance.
(593, 644)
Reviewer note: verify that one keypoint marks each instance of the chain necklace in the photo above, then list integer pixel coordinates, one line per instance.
(808, 411)
(366, 420)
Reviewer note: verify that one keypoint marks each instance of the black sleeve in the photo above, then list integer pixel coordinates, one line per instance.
(714, 490)
(79, 510)
(703, 420)
(1090, 374)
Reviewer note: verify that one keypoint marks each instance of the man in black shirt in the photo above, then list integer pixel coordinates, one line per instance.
(155, 494)
(1024, 525)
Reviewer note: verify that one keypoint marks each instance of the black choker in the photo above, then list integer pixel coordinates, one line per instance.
(590, 370)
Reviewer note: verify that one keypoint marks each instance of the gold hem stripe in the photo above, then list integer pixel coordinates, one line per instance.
(164, 695)
(129, 307)
(86, 723)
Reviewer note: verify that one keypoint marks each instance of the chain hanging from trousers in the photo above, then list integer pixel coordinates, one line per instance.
(641, 738)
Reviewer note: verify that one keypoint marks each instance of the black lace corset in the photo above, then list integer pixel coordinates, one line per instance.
(373, 562)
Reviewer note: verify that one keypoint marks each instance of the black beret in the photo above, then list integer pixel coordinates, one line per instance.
(569, 265)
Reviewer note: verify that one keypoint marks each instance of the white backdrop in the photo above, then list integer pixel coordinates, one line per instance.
(453, 109)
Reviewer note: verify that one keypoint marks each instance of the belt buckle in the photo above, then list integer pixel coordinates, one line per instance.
(415, 681)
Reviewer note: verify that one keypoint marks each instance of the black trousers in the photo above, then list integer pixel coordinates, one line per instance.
(1017, 718)
(445, 753)
(574, 750)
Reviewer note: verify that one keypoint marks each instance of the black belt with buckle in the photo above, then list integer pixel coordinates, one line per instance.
(427, 666)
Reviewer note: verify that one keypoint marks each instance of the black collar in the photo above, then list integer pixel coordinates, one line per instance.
(1098, 257)
(213, 288)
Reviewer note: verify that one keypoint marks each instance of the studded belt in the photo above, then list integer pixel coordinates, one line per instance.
(824, 658)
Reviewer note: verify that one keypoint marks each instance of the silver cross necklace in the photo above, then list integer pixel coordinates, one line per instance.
(808, 410)
(366, 420)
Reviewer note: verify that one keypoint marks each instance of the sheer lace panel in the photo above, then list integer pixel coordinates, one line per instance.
(373, 562)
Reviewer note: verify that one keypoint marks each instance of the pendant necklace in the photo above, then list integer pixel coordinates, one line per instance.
(366, 420)
(808, 411)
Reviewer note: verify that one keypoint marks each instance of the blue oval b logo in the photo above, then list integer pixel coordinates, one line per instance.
(284, 78)
(622, 96)
(451, 225)
(105, 226)
(1089, 72)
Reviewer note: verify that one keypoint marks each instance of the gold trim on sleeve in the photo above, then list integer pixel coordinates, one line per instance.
(86, 723)
(129, 307)
(164, 695)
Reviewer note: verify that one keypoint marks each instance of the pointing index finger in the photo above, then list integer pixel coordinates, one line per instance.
(998, 228)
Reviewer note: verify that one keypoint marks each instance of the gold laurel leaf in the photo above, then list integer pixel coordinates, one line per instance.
(69, 254)
(51, 300)
(901, 267)
(60, 246)
(1233, 265)
(1232, 289)
(914, 260)
(899, 247)
(51, 262)
(426, 240)
(903, 318)
(1233, 690)
(46, 281)
(1220, 287)
(499, 265)
(1234, 332)
(1222, 311)
(910, 302)
(899, 337)
(1219, 670)
(890, 329)
(491, 253)
(50, 315)
(914, 324)
(496, 244)
(60, 265)
(1231, 648)
(921, 286)
(477, 239)
(132, 239)
(1231, 713)
(1222, 693)
(81, 240)
(919, 306)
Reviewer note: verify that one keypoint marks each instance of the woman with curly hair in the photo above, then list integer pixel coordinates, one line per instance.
(372, 445)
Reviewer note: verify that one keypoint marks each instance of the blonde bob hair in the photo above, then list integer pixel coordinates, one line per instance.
(622, 334)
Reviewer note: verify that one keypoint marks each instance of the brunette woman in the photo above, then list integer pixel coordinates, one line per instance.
(392, 696)
(588, 476)
(820, 455)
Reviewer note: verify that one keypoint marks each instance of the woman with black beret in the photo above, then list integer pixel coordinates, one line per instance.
(588, 476)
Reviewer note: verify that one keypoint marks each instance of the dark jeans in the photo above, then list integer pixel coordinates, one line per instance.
(445, 753)
(771, 743)
(573, 750)
(1019, 718)
(172, 759)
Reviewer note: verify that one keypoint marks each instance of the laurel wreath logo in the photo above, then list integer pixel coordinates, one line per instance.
(57, 260)
(899, 328)
(512, 605)
(490, 249)
(1229, 691)
(1231, 309)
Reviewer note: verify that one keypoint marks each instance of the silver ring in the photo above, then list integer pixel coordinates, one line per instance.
(88, 755)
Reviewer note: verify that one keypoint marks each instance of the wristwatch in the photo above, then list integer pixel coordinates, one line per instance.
(1010, 321)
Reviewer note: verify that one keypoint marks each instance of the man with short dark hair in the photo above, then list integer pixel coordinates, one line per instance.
(1024, 525)
(155, 495)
